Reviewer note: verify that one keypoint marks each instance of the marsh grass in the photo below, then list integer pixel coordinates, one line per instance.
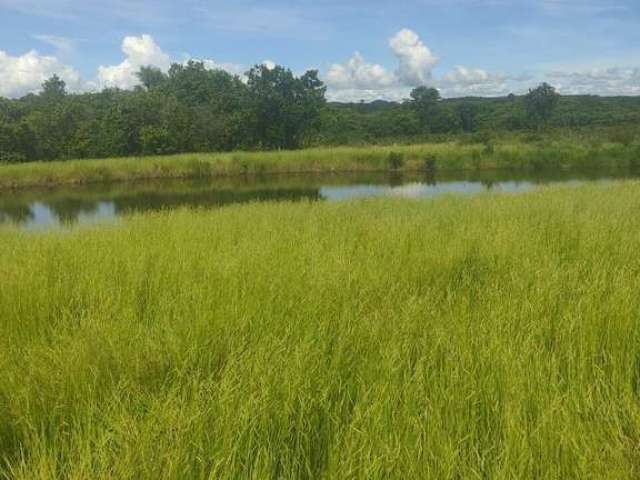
(492, 337)
(509, 154)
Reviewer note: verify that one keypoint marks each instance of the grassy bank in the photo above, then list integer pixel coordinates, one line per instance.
(493, 337)
(438, 156)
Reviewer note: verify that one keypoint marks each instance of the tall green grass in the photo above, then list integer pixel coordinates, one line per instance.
(439, 156)
(492, 337)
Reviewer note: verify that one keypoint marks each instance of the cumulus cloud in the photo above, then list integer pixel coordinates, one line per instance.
(139, 51)
(232, 68)
(26, 73)
(361, 80)
(357, 74)
(609, 81)
(473, 81)
(391, 94)
(416, 59)
(357, 79)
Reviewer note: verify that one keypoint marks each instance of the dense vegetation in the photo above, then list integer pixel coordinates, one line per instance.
(487, 338)
(194, 109)
(562, 152)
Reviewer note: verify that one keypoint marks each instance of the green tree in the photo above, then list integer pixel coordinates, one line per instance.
(540, 104)
(467, 112)
(151, 77)
(54, 88)
(425, 101)
(194, 84)
(282, 108)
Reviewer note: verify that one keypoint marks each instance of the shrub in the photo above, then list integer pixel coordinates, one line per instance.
(199, 168)
(395, 160)
(532, 138)
(155, 141)
(488, 148)
(623, 136)
(429, 164)
(12, 157)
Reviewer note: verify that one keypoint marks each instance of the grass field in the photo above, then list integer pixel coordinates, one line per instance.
(490, 337)
(508, 153)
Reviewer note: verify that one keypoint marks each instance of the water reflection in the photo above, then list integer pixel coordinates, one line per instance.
(99, 203)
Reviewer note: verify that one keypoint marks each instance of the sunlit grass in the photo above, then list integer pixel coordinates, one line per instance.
(486, 337)
(443, 156)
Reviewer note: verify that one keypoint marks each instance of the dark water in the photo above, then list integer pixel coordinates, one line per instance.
(70, 206)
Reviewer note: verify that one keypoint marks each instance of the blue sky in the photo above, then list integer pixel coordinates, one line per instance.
(363, 49)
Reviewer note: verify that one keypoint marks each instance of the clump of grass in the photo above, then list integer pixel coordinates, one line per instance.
(492, 337)
(395, 160)
(429, 164)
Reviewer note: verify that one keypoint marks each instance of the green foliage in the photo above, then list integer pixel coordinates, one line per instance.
(151, 77)
(54, 88)
(282, 107)
(429, 164)
(468, 113)
(498, 153)
(395, 160)
(624, 136)
(11, 157)
(197, 109)
(332, 340)
(156, 140)
(540, 104)
(424, 101)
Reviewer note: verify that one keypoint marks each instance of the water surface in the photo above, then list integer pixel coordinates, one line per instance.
(80, 205)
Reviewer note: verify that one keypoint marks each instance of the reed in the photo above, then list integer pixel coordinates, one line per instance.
(487, 337)
(509, 153)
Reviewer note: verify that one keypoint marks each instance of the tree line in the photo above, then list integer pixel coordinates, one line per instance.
(195, 109)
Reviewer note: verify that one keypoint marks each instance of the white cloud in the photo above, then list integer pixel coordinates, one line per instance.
(354, 80)
(232, 68)
(416, 59)
(357, 74)
(140, 52)
(392, 94)
(464, 81)
(359, 80)
(609, 81)
(26, 73)
(465, 76)
(270, 64)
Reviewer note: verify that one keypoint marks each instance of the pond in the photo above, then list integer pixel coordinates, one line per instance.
(79, 205)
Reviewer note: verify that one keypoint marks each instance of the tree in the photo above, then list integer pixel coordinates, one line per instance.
(424, 101)
(540, 104)
(54, 88)
(195, 85)
(282, 108)
(151, 77)
(467, 112)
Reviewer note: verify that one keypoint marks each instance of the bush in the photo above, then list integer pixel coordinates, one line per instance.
(429, 164)
(623, 136)
(395, 160)
(155, 141)
(488, 148)
(634, 162)
(479, 138)
(12, 157)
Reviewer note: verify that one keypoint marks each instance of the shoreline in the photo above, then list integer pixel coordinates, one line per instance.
(427, 158)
